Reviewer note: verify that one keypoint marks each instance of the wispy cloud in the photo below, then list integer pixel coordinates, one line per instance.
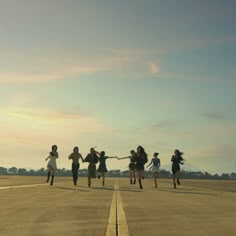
(46, 68)
(214, 115)
(41, 119)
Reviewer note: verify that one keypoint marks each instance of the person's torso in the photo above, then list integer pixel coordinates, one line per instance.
(156, 162)
(93, 159)
(102, 160)
(75, 157)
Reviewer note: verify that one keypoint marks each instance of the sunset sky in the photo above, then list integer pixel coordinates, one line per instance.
(118, 74)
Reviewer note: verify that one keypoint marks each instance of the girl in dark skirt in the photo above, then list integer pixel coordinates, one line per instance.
(176, 159)
(92, 159)
(141, 160)
(75, 156)
(102, 168)
(52, 164)
(132, 159)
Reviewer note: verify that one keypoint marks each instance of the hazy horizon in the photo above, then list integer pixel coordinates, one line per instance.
(118, 74)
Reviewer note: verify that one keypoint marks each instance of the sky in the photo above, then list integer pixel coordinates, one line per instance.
(118, 74)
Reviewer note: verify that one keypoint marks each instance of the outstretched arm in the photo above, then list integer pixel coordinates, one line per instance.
(47, 158)
(121, 158)
(113, 157)
(149, 164)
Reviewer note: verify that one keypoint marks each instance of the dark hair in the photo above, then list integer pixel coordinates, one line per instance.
(179, 154)
(132, 151)
(156, 154)
(142, 149)
(54, 146)
(102, 153)
(75, 148)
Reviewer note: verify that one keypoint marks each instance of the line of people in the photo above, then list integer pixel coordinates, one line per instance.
(137, 160)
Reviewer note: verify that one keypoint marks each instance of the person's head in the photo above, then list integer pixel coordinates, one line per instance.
(140, 149)
(102, 153)
(155, 154)
(92, 151)
(132, 152)
(54, 148)
(76, 149)
(178, 153)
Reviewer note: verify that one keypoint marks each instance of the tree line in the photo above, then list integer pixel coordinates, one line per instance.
(117, 173)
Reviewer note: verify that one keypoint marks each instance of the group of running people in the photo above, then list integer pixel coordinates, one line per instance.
(137, 159)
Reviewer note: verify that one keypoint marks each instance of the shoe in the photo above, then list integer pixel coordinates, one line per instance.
(99, 176)
(135, 181)
(178, 182)
(102, 183)
(131, 181)
(174, 185)
(155, 186)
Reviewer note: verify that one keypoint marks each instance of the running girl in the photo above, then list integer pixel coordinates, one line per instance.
(52, 164)
(141, 160)
(102, 168)
(176, 159)
(92, 159)
(156, 163)
(75, 156)
(132, 160)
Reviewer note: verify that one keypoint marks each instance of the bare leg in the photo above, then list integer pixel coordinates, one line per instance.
(174, 181)
(130, 176)
(134, 174)
(52, 179)
(155, 178)
(103, 178)
(140, 179)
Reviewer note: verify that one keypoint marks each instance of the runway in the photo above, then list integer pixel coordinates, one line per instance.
(29, 206)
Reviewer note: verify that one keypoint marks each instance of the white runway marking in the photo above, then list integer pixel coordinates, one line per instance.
(117, 223)
(21, 186)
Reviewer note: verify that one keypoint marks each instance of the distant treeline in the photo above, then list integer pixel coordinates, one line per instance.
(117, 173)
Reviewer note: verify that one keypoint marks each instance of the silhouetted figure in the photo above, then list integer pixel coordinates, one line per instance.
(102, 168)
(141, 160)
(156, 163)
(176, 159)
(52, 164)
(132, 159)
(75, 156)
(92, 159)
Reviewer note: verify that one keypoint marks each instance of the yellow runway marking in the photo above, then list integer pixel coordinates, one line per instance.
(117, 223)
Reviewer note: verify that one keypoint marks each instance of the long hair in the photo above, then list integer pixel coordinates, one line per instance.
(179, 154)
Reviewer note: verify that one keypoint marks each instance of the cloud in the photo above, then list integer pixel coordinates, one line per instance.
(51, 67)
(42, 120)
(213, 115)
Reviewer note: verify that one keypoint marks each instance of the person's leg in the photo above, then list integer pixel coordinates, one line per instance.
(174, 180)
(48, 175)
(155, 178)
(103, 178)
(140, 179)
(178, 177)
(134, 175)
(73, 170)
(130, 176)
(52, 179)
